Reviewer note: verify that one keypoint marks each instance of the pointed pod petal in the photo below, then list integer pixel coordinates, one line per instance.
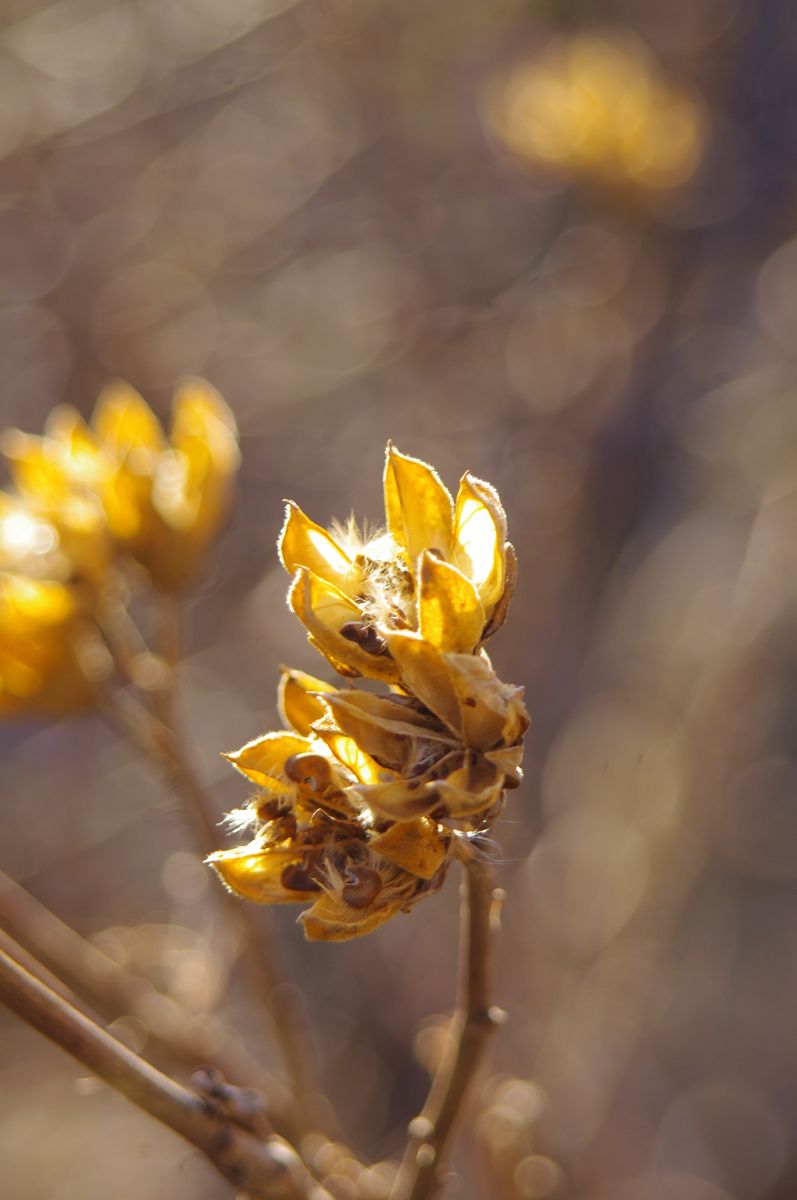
(256, 874)
(124, 422)
(418, 505)
(419, 846)
(331, 920)
(401, 800)
(350, 755)
(263, 760)
(302, 543)
(327, 615)
(451, 615)
(359, 719)
(479, 539)
(425, 674)
(297, 707)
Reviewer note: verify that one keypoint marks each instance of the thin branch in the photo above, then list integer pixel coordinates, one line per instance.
(419, 1174)
(177, 1033)
(264, 1170)
(160, 743)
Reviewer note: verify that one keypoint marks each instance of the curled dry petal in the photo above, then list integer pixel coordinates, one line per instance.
(298, 706)
(463, 691)
(379, 725)
(331, 919)
(418, 846)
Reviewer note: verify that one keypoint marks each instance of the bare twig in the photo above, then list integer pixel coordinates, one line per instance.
(177, 1033)
(265, 1170)
(419, 1175)
(160, 744)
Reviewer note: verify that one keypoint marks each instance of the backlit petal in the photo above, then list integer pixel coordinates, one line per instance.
(347, 752)
(302, 543)
(325, 610)
(451, 615)
(297, 707)
(263, 760)
(479, 538)
(418, 505)
(256, 874)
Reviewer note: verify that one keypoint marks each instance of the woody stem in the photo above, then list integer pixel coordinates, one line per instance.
(153, 732)
(160, 744)
(430, 1132)
(264, 1170)
(179, 1035)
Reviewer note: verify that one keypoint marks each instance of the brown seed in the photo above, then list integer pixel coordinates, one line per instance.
(364, 888)
(295, 879)
(311, 771)
(364, 636)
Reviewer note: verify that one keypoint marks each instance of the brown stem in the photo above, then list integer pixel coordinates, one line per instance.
(263, 1170)
(419, 1174)
(178, 1034)
(159, 743)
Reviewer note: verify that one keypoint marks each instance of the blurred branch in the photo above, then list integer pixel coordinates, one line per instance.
(264, 1170)
(178, 1034)
(160, 743)
(419, 1175)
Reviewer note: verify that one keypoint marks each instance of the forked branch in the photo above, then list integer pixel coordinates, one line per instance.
(161, 745)
(264, 1170)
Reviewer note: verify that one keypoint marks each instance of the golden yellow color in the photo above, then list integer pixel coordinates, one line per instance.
(316, 840)
(163, 498)
(366, 797)
(598, 105)
(51, 660)
(443, 568)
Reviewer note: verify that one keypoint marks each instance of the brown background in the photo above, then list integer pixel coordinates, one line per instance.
(302, 202)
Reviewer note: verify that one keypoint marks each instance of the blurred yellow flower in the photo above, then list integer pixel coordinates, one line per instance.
(442, 568)
(598, 105)
(163, 499)
(51, 658)
(60, 537)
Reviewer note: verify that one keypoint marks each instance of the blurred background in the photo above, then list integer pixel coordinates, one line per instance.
(553, 243)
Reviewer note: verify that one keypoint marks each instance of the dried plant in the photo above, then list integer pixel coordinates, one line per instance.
(365, 798)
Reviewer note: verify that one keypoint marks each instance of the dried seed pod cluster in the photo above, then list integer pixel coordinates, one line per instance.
(365, 796)
(87, 501)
